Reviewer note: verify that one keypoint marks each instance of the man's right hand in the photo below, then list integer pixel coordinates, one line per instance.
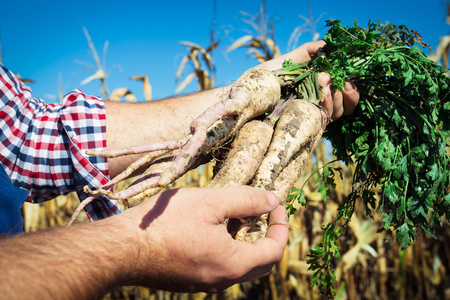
(186, 247)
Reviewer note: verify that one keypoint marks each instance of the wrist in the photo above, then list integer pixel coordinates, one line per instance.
(130, 251)
(142, 258)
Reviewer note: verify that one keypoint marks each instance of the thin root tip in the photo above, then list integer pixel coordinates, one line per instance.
(162, 182)
(167, 176)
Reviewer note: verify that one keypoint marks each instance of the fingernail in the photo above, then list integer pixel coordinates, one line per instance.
(272, 198)
(349, 86)
(324, 78)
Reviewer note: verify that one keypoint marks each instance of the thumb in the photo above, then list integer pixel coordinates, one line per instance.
(246, 201)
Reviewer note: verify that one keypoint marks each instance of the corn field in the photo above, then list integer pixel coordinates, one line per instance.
(371, 265)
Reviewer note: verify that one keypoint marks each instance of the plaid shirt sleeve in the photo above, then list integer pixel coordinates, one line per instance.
(42, 145)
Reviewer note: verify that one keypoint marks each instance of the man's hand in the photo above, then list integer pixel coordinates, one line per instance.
(175, 241)
(186, 246)
(336, 103)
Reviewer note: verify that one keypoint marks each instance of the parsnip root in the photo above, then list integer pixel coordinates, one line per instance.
(296, 134)
(247, 152)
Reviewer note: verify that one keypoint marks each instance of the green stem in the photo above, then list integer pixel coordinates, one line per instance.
(315, 172)
(302, 76)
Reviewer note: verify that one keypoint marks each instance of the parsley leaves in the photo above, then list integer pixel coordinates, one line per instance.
(397, 138)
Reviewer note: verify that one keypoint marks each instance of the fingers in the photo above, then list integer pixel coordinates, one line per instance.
(311, 48)
(305, 52)
(278, 226)
(338, 103)
(300, 54)
(237, 202)
(245, 201)
(329, 100)
(261, 255)
(351, 96)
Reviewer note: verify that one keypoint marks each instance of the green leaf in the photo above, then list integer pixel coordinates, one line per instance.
(392, 192)
(288, 62)
(302, 199)
(432, 174)
(403, 236)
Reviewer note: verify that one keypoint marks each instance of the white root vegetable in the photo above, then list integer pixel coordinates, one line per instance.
(296, 134)
(299, 122)
(247, 152)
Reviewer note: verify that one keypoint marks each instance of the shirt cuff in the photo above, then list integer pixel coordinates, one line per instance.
(83, 121)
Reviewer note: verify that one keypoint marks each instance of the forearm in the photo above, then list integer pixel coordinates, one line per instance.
(79, 262)
(132, 124)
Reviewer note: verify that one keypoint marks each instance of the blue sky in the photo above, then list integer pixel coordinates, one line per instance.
(42, 40)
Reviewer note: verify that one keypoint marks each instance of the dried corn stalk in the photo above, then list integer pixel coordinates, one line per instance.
(261, 43)
(198, 58)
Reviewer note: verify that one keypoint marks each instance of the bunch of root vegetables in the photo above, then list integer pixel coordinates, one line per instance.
(267, 124)
(271, 129)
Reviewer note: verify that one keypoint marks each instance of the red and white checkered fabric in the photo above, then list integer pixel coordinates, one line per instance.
(42, 145)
